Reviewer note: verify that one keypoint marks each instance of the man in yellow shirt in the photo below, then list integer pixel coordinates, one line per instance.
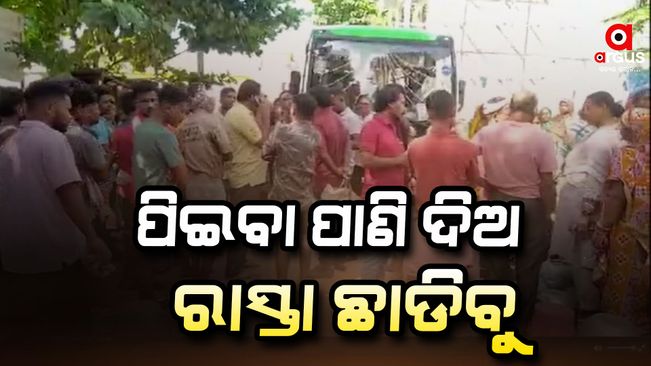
(247, 173)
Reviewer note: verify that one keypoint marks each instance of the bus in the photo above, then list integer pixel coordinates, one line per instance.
(369, 57)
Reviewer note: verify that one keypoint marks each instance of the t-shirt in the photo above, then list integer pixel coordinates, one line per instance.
(294, 148)
(442, 159)
(353, 124)
(6, 131)
(102, 130)
(203, 141)
(247, 166)
(90, 156)
(155, 152)
(36, 233)
(334, 141)
(514, 155)
(382, 138)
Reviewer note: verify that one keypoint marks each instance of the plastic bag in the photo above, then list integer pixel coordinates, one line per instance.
(342, 193)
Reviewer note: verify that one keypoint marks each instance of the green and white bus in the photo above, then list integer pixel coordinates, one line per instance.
(372, 57)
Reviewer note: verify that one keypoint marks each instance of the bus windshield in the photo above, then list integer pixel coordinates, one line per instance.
(421, 68)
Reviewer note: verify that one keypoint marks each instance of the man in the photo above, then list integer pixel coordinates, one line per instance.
(519, 161)
(353, 124)
(205, 147)
(104, 126)
(294, 148)
(383, 156)
(157, 159)
(12, 110)
(89, 154)
(145, 94)
(332, 164)
(45, 228)
(227, 98)
(248, 171)
(440, 158)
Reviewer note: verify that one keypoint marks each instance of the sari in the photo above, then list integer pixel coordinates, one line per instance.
(624, 265)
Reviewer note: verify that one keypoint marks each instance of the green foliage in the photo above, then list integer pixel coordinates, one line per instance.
(117, 35)
(355, 12)
(637, 15)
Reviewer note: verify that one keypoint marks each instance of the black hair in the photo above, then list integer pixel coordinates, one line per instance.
(83, 96)
(305, 105)
(322, 95)
(440, 103)
(387, 95)
(127, 103)
(103, 90)
(142, 87)
(363, 96)
(337, 91)
(225, 91)
(39, 91)
(170, 94)
(605, 99)
(248, 89)
(10, 99)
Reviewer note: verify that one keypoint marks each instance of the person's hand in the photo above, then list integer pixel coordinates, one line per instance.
(412, 184)
(403, 159)
(341, 172)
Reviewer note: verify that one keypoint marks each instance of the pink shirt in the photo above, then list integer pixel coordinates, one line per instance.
(442, 159)
(334, 141)
(381, 137)
(514, 156)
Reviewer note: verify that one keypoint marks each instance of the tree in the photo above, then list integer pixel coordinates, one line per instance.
(118, 35)
(638, 15)
(358, 12)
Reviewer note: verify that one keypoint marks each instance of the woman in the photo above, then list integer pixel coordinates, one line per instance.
(363, 108)
(583, 176)
(544, 116)
(622, 233)
(282, 108)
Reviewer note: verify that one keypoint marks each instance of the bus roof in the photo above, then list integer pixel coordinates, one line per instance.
(375, 32)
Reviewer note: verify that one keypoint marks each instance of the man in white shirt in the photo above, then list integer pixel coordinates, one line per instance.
(45, 228)
(353, 124)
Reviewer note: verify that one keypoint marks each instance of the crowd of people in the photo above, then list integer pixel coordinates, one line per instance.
(72, 160)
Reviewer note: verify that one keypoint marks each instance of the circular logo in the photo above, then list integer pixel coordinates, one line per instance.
(446, 70)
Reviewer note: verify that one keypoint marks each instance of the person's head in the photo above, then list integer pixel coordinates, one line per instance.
(199, 99)
(322, 95)
(85, 108)
(635, 126)
(599, 108)
(363, 105)
(391, 99)
(127, 105)
(106, 100)
(285, 100)
(12, 104)
(566, 107)
(544, 115)
(250, 94)
(304, 107)
(172, 104)
(49, 102)
(338, 100)
(145, 94)
(523, 106)
(227, 98)
(441, 107)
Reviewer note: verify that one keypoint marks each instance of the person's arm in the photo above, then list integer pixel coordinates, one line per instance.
(269, 147)
(547, 167)
(169, 148)
(263, 118)
(368, 149)
(221, 140)
(95, 156)
(614, 204)
(325, 157)
(248, 128)
(64, 179)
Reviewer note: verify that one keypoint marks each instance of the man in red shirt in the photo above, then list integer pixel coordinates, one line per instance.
(331, 165)
(440, 158)
(383, 156)
(383, 151)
